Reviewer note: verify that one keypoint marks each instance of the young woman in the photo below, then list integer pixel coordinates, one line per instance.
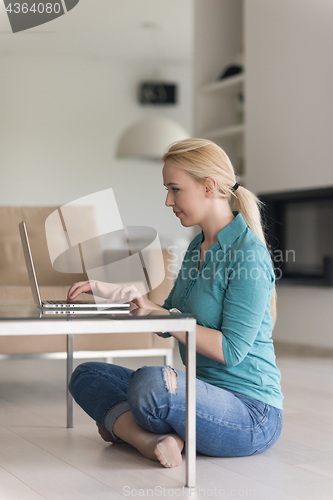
(227, 281)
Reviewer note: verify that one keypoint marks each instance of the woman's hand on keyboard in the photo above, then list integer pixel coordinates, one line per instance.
(80, 287)
(112, 292)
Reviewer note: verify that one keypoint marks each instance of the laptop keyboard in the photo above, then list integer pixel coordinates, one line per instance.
(64, 302)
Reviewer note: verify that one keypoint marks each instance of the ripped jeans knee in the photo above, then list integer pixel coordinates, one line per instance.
(170, 379)
(150, 392)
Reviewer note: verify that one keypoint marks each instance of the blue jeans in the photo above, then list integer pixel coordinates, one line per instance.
(229, 424)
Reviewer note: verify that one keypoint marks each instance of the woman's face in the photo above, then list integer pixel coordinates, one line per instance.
(185, 195)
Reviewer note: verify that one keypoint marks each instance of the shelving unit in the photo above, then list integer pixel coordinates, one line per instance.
(219, 103)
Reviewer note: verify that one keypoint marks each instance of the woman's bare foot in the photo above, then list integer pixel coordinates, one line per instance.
(164, 448)
(167, 451)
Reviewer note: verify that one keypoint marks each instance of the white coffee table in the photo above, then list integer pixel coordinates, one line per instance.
(24, 318)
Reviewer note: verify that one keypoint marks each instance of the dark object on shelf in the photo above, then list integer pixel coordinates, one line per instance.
(231, 71)
(156, 93)
(299, 232)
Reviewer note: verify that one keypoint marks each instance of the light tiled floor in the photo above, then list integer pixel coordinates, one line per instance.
(40, 458)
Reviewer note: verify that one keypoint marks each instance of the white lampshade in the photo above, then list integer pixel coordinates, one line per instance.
(148, 138)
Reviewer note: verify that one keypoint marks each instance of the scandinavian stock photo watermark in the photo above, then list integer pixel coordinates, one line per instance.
(228, 264)
(87, 235)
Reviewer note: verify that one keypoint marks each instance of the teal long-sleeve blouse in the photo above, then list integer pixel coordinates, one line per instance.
(231, 292)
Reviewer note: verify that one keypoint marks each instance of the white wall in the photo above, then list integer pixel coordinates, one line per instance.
(289, 114)
(60, 120)
(289, 86)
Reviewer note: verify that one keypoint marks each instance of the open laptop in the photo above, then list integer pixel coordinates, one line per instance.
(77, 305)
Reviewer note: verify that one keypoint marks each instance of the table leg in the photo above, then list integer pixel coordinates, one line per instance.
(70, 405)
(191, 408)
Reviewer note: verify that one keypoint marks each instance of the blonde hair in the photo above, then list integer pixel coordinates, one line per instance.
(202, 158)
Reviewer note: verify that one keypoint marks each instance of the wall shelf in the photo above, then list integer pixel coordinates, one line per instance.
(233, 83)
(225, 132)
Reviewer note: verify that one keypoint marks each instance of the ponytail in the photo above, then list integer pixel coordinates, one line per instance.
(249, 206)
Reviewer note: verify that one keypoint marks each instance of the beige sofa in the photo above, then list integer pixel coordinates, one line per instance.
(14, 285)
